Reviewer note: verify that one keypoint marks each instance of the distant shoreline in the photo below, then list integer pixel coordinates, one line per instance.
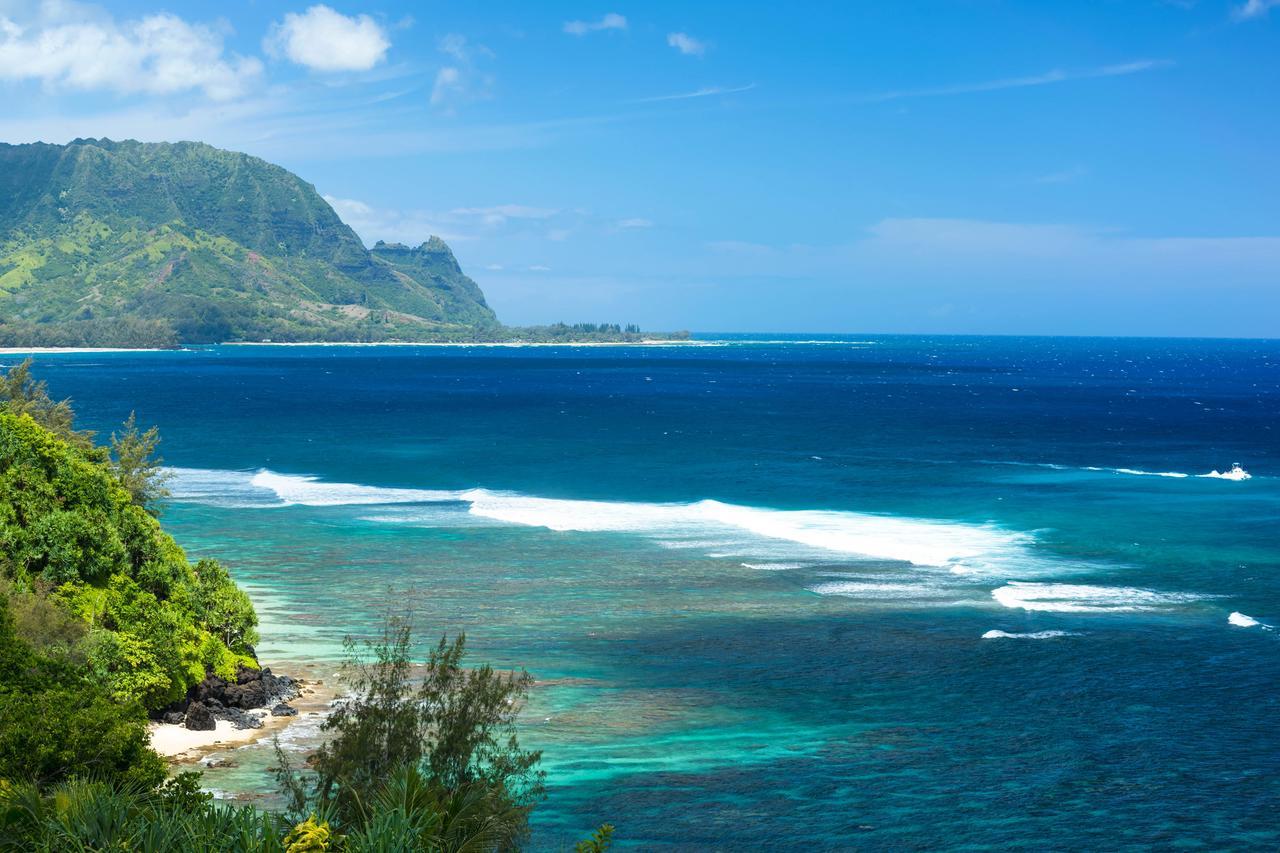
(649, 343)
(54, 350)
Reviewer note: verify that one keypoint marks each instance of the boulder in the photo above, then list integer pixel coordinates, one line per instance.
(283, 710)
(251, 694)
(200, 718)
(240, 719)
(173, 718)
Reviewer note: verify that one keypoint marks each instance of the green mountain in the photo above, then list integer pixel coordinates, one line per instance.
(133, 243)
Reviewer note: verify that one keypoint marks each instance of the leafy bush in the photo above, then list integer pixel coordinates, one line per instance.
(56, 722)
(77, 523)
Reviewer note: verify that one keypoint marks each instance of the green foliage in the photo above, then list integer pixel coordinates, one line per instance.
(48, 628)
(600, 840)
(74, 526)
(22, 394)
(137, 466)
(438, 758)
(407, 815)
(457, 725)
(128, 243)
(182, 791)
(56, 722)
(224, 608)
(82, 815)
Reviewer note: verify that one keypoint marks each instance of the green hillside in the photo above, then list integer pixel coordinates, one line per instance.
(131, 243)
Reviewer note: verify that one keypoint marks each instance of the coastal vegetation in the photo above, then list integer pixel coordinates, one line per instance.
(105, 623)
(79, 535)
(132, 244)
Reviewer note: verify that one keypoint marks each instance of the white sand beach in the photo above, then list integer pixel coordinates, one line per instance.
(182, 745)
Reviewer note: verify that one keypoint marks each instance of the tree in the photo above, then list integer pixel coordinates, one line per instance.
(56, 724)
(21, 393)
(138, 467)
(454, 734)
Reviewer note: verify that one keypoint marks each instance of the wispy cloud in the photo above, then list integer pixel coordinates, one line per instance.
(705, 92)
(1254, 9)
(1056, 75)
(611, 21)
(500, 213)
(461, 224)
(462, 79)
(635, 222)
(686, 44)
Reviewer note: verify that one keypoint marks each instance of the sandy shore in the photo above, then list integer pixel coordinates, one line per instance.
(182, 745)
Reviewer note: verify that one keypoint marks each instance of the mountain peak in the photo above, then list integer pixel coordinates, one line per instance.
(201, 244)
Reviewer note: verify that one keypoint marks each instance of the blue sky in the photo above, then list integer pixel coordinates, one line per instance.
(976, 167)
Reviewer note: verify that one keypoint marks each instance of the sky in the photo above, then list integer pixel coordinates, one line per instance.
(975, 166)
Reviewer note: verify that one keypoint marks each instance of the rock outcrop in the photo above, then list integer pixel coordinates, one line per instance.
(238, 700)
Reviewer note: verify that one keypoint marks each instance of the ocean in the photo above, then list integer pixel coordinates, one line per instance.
(778, 592)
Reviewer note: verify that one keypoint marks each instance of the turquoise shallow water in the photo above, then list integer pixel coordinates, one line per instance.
(757, 582)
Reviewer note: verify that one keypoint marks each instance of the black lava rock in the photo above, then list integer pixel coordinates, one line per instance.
(200, 718)
(283, 710)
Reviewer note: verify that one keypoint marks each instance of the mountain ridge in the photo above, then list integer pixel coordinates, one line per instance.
(108, 242)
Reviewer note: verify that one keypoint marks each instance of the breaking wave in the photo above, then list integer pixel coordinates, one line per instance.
(1079, 598)
(1235, 472)
(264, 488)
(1240, 620)
(1032, 635)
(767, 539)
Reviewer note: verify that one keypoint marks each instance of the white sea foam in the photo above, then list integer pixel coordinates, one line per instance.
(1032, 635)
(264, 488)
(921, 542)
(1240, 620)
(1079, 598)
(773, 567)
(867, 590)
(766, 539)
(311, 491)
(1235, 473)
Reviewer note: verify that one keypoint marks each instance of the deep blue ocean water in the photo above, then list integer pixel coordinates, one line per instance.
(875, 592)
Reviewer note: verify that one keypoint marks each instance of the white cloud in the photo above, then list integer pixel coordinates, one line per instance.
(686, 44)
(325, 40)
(394, 226)
(1254, 9)
(539, 268)
(461, 80)
(635, 222)
(75, 47)
(460, 224)
(611, 21)
(1056, 75)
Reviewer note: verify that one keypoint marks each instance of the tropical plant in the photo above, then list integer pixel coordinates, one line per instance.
(137, 466)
